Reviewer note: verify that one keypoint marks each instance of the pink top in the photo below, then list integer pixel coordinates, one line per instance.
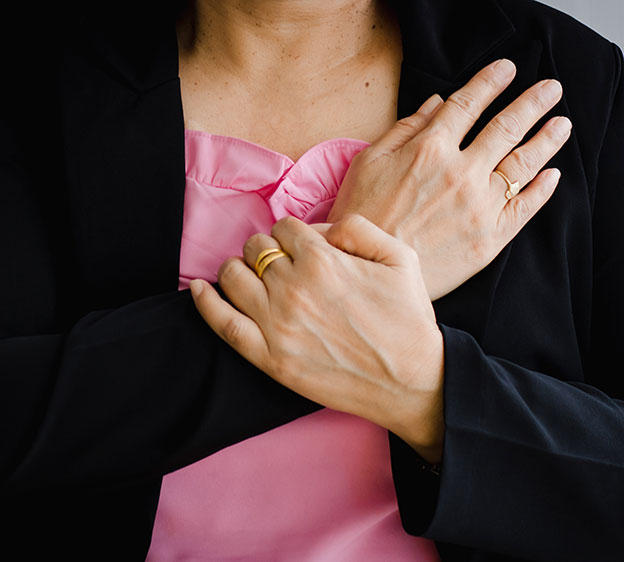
(319, 488)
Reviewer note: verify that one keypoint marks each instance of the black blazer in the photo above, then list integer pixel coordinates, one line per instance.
(109, 378)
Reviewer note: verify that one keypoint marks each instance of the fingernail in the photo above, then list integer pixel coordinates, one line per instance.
(553, 176)
(505, 67)
(197, 287)
(562, 126)
(430, 105)
(552, 89)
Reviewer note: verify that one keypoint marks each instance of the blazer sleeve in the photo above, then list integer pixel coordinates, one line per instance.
(109, 397)
(533, 466)
(127, 393)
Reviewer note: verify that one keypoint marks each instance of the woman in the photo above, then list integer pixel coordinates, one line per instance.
(87, 453)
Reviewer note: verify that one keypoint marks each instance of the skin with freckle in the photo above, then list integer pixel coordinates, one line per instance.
(314, 87)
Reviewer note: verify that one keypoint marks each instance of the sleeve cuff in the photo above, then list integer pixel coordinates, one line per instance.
(427, 501)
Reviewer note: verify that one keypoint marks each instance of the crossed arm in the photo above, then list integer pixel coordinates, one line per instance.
(526, 455)
(331, 323)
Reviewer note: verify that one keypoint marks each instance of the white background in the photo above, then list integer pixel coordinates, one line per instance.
(604, 16)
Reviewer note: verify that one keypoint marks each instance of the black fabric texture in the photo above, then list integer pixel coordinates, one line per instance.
(110, 378)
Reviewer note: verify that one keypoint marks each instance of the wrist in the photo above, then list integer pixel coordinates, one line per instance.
(431, 454)
(420, 422)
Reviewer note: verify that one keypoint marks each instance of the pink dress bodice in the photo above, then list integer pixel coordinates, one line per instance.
(320, 488)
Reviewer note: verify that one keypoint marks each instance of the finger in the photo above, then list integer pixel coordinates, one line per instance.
(407, 128)
(523, 164)
(321, 227)
(296, 237)
(462, 109)
(511, 125)
(243, 287)
(256, 244)
(359, 237)
(236, 329)
(523, 207)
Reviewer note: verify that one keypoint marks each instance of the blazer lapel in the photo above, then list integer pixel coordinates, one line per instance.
(445, 44)
(446, 38)
(122, 127)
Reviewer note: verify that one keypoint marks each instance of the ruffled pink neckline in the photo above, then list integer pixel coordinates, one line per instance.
(232, 163)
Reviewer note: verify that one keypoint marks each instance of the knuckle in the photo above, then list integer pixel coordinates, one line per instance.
(489, 81)
(477, 231)
(465, 102)
(288, 220)
(252, 242)
(459, 181)
(351, 221)
(477, 223)
(232, 331)
(557, 132)
(453, 179)
(463, 199)
(535, 102)
(285, 223)
(228, 271)
(410, 122)
(550, 136)
(342, 232)
(437, 145)
(509, 127)
(432, 148)
(526, 161)
(337, 234)
(521, 211)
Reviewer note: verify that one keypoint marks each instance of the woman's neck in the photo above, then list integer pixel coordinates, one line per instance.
(288, 74)
(252, 38)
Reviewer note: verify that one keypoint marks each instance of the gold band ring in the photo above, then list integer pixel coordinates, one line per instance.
(263, 254)
(512, 188)
(267, 257)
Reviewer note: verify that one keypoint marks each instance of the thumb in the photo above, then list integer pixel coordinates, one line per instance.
(359, 237)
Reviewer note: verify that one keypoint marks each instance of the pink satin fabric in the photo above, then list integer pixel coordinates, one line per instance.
(318, 489)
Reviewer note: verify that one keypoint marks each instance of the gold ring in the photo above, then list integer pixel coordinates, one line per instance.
(268, 258)
(512, 188)
(263, 254)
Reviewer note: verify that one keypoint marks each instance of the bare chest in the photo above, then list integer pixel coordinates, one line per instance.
(290, 114)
